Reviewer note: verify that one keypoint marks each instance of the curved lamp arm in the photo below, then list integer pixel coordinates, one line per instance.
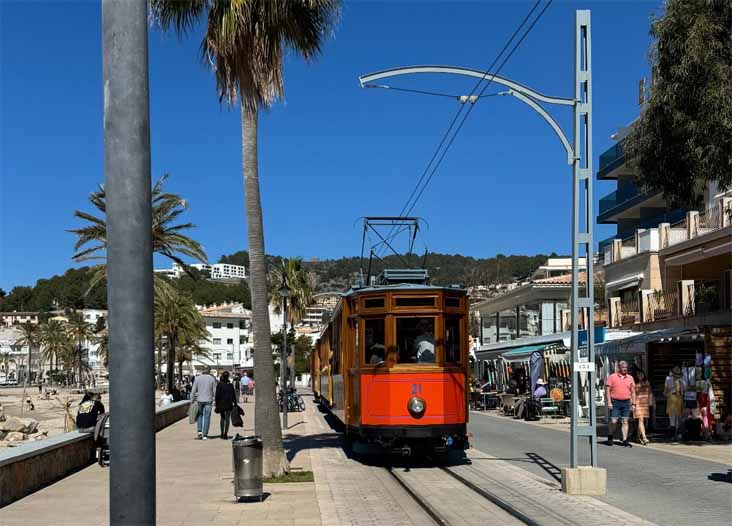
(521, 92)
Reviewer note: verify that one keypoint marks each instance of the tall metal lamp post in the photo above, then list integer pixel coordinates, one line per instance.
(579, 157)
(284, 294)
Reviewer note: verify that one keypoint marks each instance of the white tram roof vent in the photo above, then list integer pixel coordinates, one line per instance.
(417, 276)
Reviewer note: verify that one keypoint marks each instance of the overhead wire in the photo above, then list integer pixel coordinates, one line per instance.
(460, 110)
(467, 114)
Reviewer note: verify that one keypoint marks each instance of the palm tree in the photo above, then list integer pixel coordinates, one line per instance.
(179, 322)
(80, 332)
(103, 339)
(168, 238)
(302, 285)
(55, 342)
(244, 43)
(31, 337)
(191, 351)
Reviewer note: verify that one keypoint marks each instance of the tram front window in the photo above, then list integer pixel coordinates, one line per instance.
(374, 345)
(415, 340)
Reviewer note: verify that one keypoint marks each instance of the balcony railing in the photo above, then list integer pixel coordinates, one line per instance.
(630, 312)
(611, 159)
(624, 197)
(662, 305)
(688, 300)
(695, 224)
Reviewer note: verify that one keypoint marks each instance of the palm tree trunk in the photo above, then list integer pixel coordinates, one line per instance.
(30, 358)
(266, 415)
(170, 369)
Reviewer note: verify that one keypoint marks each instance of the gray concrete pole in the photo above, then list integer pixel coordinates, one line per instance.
(283, 364)
(129, 262)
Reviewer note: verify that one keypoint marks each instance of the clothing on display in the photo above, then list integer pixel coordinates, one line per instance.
(674, 391)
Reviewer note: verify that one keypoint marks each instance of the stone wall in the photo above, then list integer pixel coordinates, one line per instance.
(35, 465)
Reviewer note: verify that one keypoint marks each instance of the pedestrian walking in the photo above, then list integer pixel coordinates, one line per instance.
(643, 402)
(245, 384)
(236, 381)
(225, 401)
(203, 394)
(620, 396)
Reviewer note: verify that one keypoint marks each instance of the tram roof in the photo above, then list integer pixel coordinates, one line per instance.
(401, 286)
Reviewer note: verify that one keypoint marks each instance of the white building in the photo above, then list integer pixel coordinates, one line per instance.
(13, 358)
(216, 272)
(9, 319)
(230, 341)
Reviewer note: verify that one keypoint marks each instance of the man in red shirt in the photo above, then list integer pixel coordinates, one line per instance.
(620, 396)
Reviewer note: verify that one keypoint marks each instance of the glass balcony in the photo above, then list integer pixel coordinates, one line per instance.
(610, 160)
(622, 198)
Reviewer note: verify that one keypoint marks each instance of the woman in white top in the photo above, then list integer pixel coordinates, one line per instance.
(166, 398)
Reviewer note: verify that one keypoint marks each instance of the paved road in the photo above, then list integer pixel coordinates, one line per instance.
(660, 487)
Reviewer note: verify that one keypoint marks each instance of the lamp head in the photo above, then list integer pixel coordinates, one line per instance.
(284, 290)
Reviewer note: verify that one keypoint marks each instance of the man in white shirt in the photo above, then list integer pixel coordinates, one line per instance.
(245, 384)
(424, 343)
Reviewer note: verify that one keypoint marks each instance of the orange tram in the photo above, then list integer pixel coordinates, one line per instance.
(392, 365)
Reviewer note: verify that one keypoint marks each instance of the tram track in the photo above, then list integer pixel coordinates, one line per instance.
(435, 491)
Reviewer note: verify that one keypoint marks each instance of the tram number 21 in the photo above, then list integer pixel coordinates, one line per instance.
(416, 389)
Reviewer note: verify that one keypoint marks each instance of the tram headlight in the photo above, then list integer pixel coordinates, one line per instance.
(416, 407)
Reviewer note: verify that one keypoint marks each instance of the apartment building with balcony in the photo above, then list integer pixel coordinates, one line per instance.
(646, 225)
(668, 281)
(230, 339)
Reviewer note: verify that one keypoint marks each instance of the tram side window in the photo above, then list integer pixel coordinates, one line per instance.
(374, 341)
(415, 340)
(452, 339)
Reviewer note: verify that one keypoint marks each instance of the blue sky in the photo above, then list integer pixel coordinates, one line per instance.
(330, 152)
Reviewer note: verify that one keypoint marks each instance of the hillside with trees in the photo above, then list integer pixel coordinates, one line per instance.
(444, 269)
(68, 290)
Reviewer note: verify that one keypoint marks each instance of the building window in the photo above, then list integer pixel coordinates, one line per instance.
(217, 325)
(217, 356)
(230, 341)
(229, 325)
(230, 356)
(242, 324)
(242, 340)
(217, 340)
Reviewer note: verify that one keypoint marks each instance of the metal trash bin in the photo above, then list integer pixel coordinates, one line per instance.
(247, 457)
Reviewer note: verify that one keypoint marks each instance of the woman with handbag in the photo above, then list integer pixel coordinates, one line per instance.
(225, 401)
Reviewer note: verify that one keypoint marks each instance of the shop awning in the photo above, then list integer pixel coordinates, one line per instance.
(624, 283)
(637, 344)
(523, 353)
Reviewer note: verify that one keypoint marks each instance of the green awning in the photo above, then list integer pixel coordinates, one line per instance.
(524, 352)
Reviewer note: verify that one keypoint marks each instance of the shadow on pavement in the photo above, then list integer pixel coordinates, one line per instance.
(324, 440)
(552, 469)
(721, 477)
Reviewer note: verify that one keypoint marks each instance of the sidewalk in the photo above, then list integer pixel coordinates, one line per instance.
(712, 451)
(194, 487)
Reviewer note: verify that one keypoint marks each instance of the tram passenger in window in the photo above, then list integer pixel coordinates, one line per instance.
(374, 344)
(424, 343)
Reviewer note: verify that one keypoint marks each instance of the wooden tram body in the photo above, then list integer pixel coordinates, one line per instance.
(376, 369)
